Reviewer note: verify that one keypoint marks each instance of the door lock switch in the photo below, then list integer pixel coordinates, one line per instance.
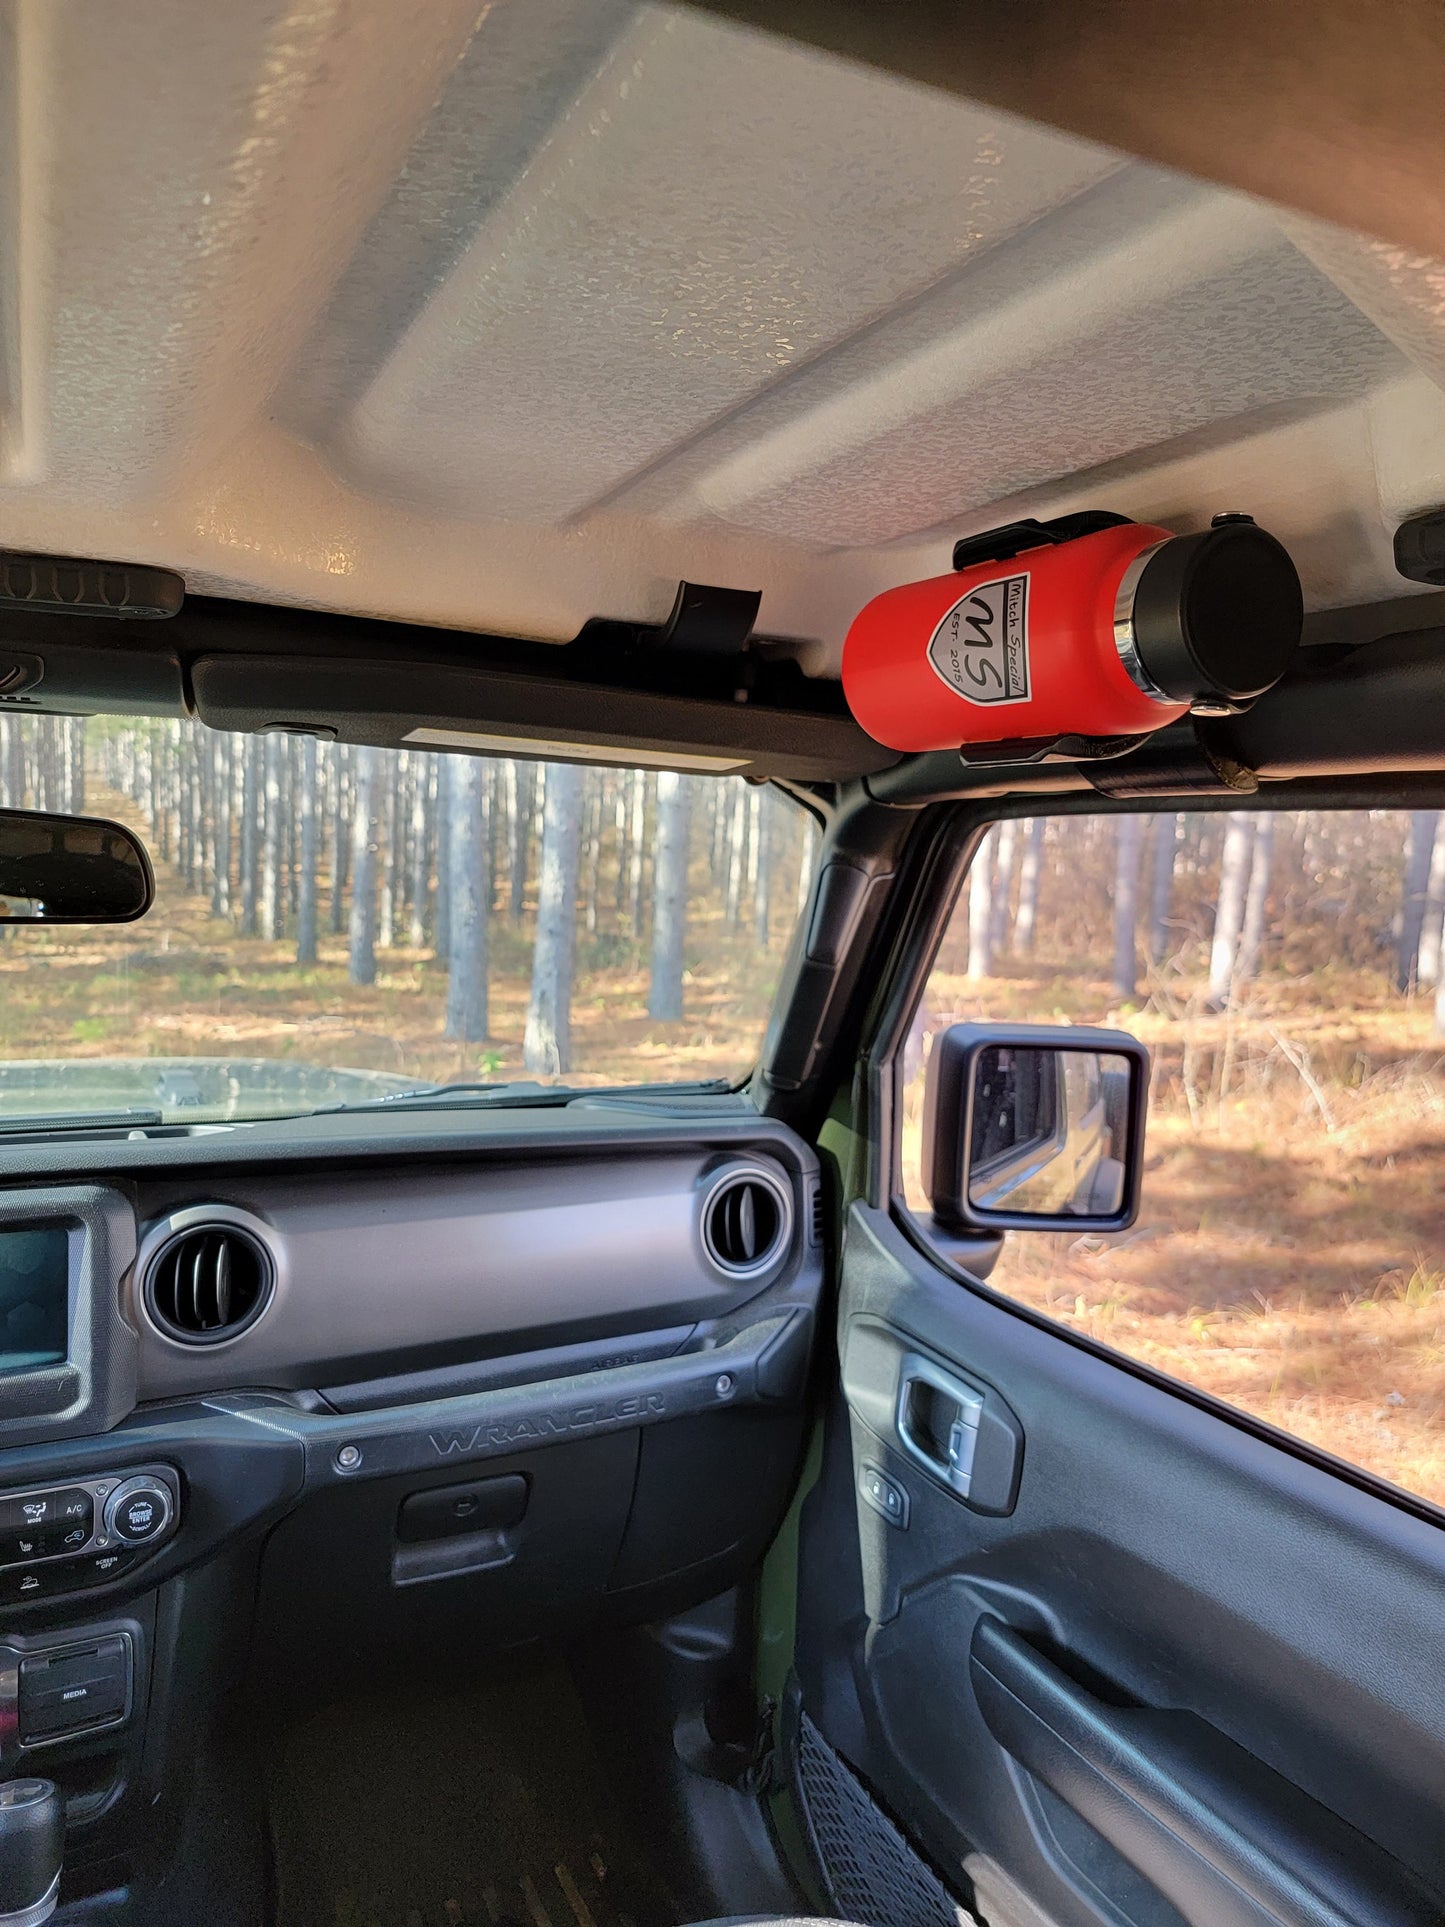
(886, 1496)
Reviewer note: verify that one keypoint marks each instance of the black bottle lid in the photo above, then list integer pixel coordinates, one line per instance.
(1217, 616)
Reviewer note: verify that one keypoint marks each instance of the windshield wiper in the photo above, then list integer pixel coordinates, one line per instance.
(434, 1097)
(427, 1095)
(82, 1121)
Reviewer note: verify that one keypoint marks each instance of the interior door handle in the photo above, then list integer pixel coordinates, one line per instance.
(938, 1420)
(1227, 1840)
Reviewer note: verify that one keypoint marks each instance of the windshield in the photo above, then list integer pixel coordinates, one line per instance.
(339, 925)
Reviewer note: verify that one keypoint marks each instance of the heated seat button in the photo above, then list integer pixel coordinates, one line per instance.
(485, 1505)
(25, 1544)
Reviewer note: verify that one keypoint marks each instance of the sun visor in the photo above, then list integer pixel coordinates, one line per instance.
(499, 711)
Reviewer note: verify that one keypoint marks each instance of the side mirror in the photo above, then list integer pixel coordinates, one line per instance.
(1033, 1127)
(71, 869)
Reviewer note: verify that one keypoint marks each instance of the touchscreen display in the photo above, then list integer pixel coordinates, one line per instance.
(34, 1298)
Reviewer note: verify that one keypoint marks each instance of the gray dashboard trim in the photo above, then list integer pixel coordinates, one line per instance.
(407, 1269)
(517, 1368)
(587, 1126)
(754, 1366)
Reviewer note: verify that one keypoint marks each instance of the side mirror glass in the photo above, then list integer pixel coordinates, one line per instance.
(1029, 1127)
(71, 869)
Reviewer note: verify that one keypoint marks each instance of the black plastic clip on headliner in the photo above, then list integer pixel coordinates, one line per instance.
(707, 621)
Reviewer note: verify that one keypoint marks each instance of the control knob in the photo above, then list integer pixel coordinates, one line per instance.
(139, 1510)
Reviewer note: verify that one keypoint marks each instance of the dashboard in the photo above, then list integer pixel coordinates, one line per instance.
(279, 1399)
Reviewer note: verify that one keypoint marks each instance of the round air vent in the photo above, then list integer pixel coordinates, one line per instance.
(746, 1218)
(208, 1283)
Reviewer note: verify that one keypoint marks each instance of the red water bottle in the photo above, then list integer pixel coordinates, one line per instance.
(1087, 626)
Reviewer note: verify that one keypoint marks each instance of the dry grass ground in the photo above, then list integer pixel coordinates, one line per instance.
(1290, 1253)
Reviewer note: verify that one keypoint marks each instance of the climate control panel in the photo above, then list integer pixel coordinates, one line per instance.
(63, 1538)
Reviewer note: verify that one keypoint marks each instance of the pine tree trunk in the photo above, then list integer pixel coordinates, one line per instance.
(592, 851)
(310, 881)
(806, 851)
(1229, 909)
(1026, 921)
(547, 1042)
(1161, 884)
(763, 881)
(1256, 901)
(15, 766)
(1130, 831)
(737, 854)
(420, 849)
(669, 896)
(271, 842)
(619, 833)
(195, 755)
(637, 831)
(469, 897)
(386, 853)
(522, 781)
(251, 806)
(1427, 968)
(980, 909)
(1003, 886)
(361, 961)
(511, 817)
(401, 842)
(223, 751)
(77, 764)
(185, 848)
(339, 838)
(443, 937)
(155, 784)
(291, 821)
(1419, 854)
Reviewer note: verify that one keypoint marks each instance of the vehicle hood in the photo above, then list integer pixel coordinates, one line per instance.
(187, 1087)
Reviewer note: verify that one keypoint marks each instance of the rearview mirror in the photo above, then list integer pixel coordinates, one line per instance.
(71, 869)
(1032, 1127)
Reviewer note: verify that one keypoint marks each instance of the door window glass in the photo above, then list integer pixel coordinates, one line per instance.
(1285, 969)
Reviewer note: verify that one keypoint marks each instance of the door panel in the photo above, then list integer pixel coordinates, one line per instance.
(1239, 1654)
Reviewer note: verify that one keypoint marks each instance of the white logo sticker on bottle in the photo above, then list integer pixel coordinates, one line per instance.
(981, 647)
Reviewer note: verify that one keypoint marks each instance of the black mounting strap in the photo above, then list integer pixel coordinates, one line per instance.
(1047, 749)
(1175, 762)
(1001, 544)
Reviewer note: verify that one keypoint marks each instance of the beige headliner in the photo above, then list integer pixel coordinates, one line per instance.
(507, 320)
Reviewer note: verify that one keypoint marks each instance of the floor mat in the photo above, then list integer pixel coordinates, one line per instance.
(489, 1805)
